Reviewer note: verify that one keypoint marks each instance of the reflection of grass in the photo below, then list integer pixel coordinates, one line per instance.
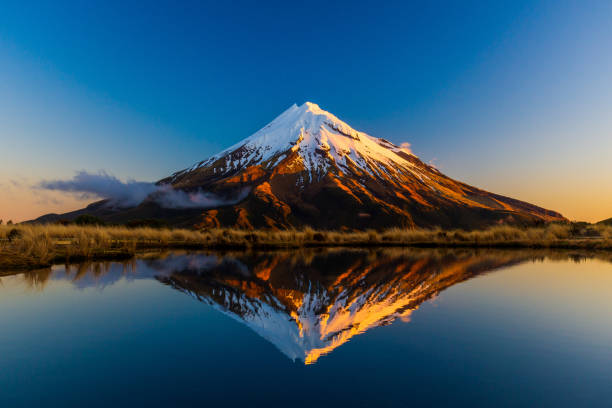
(28, 246)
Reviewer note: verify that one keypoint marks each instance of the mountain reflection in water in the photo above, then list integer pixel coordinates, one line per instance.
(306, 303)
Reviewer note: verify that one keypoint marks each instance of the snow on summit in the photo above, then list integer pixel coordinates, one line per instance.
(319, 138)
(308, 167)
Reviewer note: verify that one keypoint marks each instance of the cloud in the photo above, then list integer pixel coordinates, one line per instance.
(406, 146)
(131, 193)
(104, 185)
(171, 198)
(10, 184)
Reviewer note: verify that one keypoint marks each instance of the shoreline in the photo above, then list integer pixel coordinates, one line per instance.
(27, 247)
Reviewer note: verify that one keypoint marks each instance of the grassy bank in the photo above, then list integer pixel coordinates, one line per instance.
(31, 246)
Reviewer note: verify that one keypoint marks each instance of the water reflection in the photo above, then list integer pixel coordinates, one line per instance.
(84, 275)
(306, 303)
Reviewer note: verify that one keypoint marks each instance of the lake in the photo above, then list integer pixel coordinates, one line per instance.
(312, 328)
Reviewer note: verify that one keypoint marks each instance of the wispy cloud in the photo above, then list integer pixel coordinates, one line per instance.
(170, 198)
(131, 193)
(406, 146)
(103, 185)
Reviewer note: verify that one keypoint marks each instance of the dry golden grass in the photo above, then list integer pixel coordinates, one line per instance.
(28, 246)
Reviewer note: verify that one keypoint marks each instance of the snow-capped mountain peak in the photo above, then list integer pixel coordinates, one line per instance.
(318, 138)
(308, 167)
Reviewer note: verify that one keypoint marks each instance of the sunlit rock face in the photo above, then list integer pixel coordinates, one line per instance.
(309, 168)
(308, 304)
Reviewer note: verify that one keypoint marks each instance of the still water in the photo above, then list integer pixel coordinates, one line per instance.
(311, 328)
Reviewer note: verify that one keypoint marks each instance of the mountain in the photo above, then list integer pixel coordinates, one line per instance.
(307, 167)
(308, 305)
(607, 221)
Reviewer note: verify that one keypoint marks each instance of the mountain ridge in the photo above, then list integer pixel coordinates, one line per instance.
(309, 168)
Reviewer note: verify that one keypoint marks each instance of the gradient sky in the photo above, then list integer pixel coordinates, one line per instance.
(514, 97)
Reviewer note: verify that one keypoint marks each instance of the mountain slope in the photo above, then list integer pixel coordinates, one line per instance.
(307, 167)
(607, 221)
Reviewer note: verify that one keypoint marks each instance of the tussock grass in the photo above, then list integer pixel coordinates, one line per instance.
(30, 246)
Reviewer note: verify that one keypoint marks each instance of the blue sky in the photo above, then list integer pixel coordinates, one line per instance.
(514, 97)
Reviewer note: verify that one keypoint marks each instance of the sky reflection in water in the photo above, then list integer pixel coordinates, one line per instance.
(486, 327)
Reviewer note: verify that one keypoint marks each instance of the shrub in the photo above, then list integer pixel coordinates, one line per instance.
(149, 222)
(87, 219)
(318, 237)
(13, 234)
